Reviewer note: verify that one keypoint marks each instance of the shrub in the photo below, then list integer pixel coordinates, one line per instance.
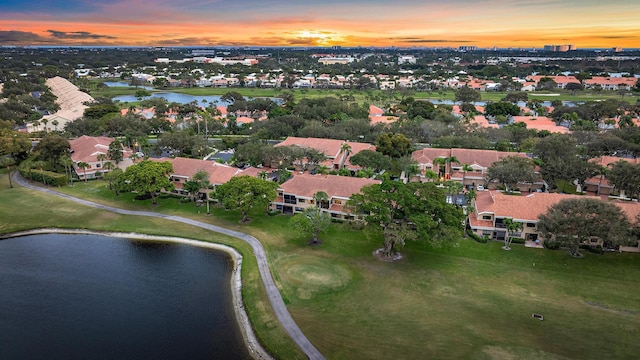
(482, 240)
(517, 240)
(551, 245)
(48, 177)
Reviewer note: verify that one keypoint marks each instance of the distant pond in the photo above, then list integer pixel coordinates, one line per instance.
(88, 297)
(182, 98)
(124, 84)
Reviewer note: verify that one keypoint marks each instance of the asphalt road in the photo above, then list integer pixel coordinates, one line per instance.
(272, 290)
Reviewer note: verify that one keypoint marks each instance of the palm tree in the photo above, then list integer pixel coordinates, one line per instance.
(602, 172)
(322, 199)
(8, 162)
(45, 121)
(513, 227)
(442, 163)
(465, 168)
(345, 150)
(55, 124)
(410, 171)
(66, 161)
(202, 179)
(449, 161)
(101, 157)
(323, 169)
(83, 165)
(431, 175)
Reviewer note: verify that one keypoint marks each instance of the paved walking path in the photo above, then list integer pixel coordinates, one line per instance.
(272, 290)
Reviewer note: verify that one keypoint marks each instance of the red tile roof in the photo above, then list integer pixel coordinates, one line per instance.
(306, 185)
(86, 148)
(218, 173)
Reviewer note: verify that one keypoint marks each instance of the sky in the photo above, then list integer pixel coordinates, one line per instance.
(402, 23)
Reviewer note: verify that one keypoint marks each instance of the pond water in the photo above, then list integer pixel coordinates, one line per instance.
(86, 296)
(124, 84)
(182, 98)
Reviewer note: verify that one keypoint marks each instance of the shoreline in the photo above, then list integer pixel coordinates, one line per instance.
(255, 349)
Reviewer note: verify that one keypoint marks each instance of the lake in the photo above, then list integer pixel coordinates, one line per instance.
(88, 296)
(183, 98)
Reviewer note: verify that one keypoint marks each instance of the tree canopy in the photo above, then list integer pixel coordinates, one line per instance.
(393, 145)
(312, 220)
(401, 212)
(244, 193)
(576, 221)
(147, 177)
(512, 170)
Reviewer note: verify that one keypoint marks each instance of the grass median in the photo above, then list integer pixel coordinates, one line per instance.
(472, 301)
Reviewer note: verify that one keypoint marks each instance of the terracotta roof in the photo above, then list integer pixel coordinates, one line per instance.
(330, 147)
(374, 110)
(483, 158)
(218, 173)
(517, 207)
(610, 160)
(306, 185)
(87, 148)
(541, 123)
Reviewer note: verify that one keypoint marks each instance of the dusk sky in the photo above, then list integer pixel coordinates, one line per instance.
(484, 23)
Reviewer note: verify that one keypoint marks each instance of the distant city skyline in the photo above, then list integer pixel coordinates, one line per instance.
(402, 23)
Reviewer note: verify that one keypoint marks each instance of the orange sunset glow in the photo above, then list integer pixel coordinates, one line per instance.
(305, 23)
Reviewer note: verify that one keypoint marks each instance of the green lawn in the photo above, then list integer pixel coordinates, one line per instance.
(473, 301)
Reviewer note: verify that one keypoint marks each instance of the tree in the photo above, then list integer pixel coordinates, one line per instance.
(313, 221)
(244, 193)
(13, 143)
(467, 95)
(450, 160)
(502, 108)
(573, 87)
(201, 177)
(372, 160)
(465, 169)
(512, 170)
(115, 151)
(515, 97)
(576, 221)
(442, 166)
(625, 176)
(400, 212)
(67, 162)
(8, 162)
(101, 157)
(51, 147)
(393, 145)
(513, 227)
(83, 165)
(148, 177)
(321, 199)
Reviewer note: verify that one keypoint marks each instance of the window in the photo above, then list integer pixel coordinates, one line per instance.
(299, 209)
(531, 225)
(486, 217)
(278, 207)
(98, 165)
(486, 232)
(301, 201)
(289, 199)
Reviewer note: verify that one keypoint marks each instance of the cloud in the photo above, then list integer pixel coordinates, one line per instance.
(77, 35)
(21, 37)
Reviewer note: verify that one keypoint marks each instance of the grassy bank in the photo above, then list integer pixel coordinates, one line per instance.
(473, 301)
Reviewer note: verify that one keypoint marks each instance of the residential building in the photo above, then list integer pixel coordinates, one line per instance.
(338, 152)
(599, 185)
(478, 160)
(492, 208)
(87, 149)
(184, 169)
(297, 193)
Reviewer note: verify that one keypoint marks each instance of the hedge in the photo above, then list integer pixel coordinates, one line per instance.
(48, 177)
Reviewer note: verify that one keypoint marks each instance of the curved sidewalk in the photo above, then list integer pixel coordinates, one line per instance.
(272, 290)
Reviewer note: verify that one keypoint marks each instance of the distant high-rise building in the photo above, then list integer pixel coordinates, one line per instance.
(468, 48)
(560, 48)
(617, 49)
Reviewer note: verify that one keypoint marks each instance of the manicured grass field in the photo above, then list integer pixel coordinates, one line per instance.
(472, 301)
(363, 96)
